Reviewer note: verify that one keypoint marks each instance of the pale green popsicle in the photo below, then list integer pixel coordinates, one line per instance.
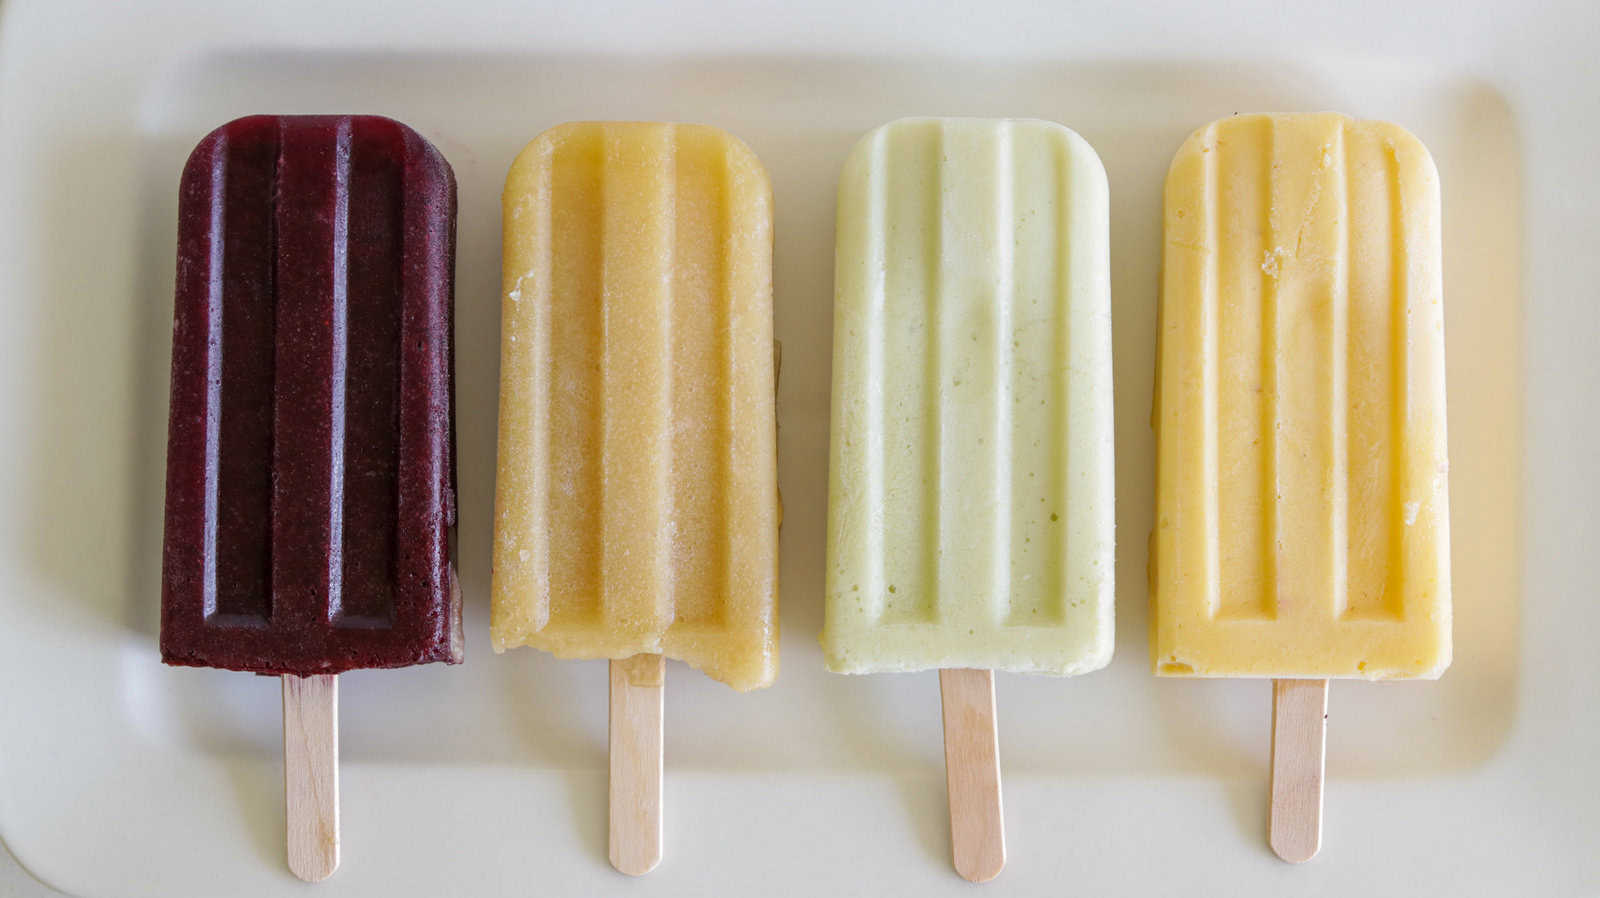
(970, 514)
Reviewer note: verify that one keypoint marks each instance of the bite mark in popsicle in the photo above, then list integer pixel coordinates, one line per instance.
(636, 500)
(636, 505)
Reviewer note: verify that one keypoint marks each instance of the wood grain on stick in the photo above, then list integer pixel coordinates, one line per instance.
(636, 698)
(311, 774)
(1299, 738)
(972, 773)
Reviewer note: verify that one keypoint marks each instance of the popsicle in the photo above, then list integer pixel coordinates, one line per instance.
(1302, 519)
(970, 498)
(636, 503)
(310, 482)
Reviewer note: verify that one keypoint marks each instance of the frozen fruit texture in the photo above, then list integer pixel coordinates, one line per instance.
(970, 496)
(636, 500)
(1302, 510)
(310, 469)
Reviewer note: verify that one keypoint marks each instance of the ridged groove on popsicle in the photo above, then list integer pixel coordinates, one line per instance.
(636, 388)
(958, 243)
(1347, 245)
(239, 541)
(1378, 413)
(307, 421)
(317, 402)
(290, 306)
(912, 405)
(738, 624)
(376, 328)
(637, 270)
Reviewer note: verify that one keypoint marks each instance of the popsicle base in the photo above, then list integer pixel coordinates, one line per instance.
(1299, 738)
(637, 686)
(972, 773)
(311, 774)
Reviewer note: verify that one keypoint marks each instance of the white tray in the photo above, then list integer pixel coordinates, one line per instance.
(119, 776)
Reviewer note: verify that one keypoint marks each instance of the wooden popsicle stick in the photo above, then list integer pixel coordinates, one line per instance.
(1299, 739)
(636, 698)
(972, 773)
(311, 774)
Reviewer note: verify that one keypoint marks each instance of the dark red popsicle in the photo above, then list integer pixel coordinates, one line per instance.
(310, 472)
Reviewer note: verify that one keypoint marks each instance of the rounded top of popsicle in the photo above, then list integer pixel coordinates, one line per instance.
(937, 127)
(535, 156)
(1408, 150)
(423, 161)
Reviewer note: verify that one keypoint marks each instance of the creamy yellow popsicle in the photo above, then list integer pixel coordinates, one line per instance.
(1302, 515)
(636, 506)
(970, 497)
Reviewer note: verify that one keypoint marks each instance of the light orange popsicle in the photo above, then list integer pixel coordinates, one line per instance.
(1302, 518)
(636, 506)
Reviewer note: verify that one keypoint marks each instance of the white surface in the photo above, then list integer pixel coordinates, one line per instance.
(121, 777)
